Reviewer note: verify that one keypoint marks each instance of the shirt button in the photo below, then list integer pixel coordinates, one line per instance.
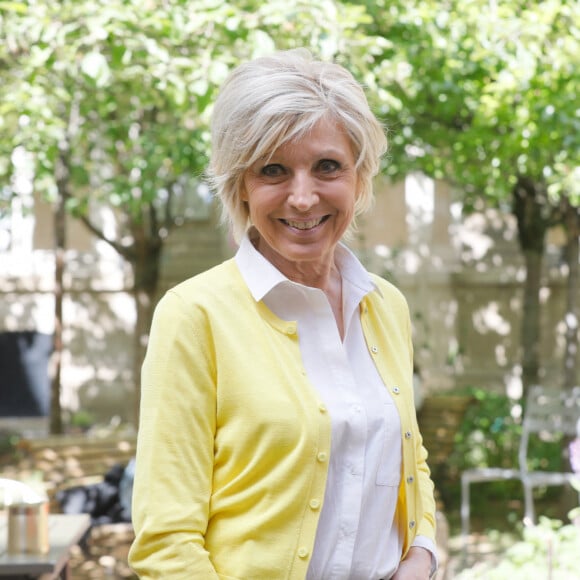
(407, 434)
(321, 457)
(396, 390)
(302, 553)
(374, 349)
(314, 504)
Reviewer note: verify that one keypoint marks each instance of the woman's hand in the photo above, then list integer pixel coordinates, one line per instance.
(416, 566)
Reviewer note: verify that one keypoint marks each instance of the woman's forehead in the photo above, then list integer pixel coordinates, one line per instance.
(294, 135)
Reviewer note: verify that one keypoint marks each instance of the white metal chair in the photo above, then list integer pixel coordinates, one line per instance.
(548, 410)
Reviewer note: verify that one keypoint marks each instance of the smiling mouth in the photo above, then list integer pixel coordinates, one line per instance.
(305, 225)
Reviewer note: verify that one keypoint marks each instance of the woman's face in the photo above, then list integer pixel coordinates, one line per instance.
(302, 199)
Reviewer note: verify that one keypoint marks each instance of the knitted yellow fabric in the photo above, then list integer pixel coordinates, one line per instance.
(234, 441)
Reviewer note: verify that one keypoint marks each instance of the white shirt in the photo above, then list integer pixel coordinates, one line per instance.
(357, 537)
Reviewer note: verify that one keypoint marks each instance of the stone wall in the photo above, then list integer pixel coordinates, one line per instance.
(463, 279)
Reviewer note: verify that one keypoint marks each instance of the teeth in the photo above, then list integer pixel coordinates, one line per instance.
(304, 225)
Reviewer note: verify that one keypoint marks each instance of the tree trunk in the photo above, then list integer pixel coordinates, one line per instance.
(56, 426)
(144, 310)
(146, 270)
(532, 213)
(572, 316)
(530, 328)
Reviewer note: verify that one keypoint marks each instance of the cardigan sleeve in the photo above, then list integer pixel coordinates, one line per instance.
(426, 526)
(174, 463)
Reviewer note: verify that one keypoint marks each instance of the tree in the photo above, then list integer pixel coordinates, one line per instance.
(484, 94)
(113, 97)
(571, 222)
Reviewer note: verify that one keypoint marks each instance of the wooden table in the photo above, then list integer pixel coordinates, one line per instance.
(64, 531)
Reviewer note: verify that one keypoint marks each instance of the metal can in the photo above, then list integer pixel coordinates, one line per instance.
(28, 528)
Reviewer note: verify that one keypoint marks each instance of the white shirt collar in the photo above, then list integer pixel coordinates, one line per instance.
(261, 276)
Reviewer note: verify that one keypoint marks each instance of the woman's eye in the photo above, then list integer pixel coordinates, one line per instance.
(273, 170)
(328, 165)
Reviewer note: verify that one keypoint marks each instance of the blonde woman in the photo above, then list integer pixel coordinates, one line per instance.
(278, 436)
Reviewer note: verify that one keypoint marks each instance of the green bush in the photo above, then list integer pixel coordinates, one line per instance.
(548, 550)
(489, 434)
(81, 420)
(8, 441)
(489, 437)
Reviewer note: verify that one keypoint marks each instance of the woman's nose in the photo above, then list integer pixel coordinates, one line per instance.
(302, 192)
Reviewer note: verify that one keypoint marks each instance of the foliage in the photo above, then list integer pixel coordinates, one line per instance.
(489, 434)
(129, 86)
(548, 550)
(481, 92)
(82, 420)
(122, 90)
(8, 441)
(489, 437)
(574, 514)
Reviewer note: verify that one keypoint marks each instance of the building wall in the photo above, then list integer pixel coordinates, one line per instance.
(463, 280)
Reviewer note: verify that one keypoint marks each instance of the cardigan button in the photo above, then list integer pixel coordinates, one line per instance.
(374, 349)
(314, 504)
(410, 479)
(396, 390)
(302, 553)
(411, 524)
(321, 457)
(408, 435)
(322, 408)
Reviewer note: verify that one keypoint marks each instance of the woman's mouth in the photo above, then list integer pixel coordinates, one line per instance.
(305, 224)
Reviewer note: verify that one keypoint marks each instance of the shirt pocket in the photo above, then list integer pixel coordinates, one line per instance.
(389, 467)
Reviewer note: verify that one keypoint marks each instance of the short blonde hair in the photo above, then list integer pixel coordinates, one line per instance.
(269, 101)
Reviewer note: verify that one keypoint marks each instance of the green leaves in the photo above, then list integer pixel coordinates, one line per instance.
(95, 66)
(15, 7)
(471, 91)
(548, 549)
(127, 87)
(483, 92)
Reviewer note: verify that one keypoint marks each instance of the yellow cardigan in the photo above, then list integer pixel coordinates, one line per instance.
(234, 441)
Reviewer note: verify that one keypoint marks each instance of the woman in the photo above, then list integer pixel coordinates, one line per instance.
(278, 438)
